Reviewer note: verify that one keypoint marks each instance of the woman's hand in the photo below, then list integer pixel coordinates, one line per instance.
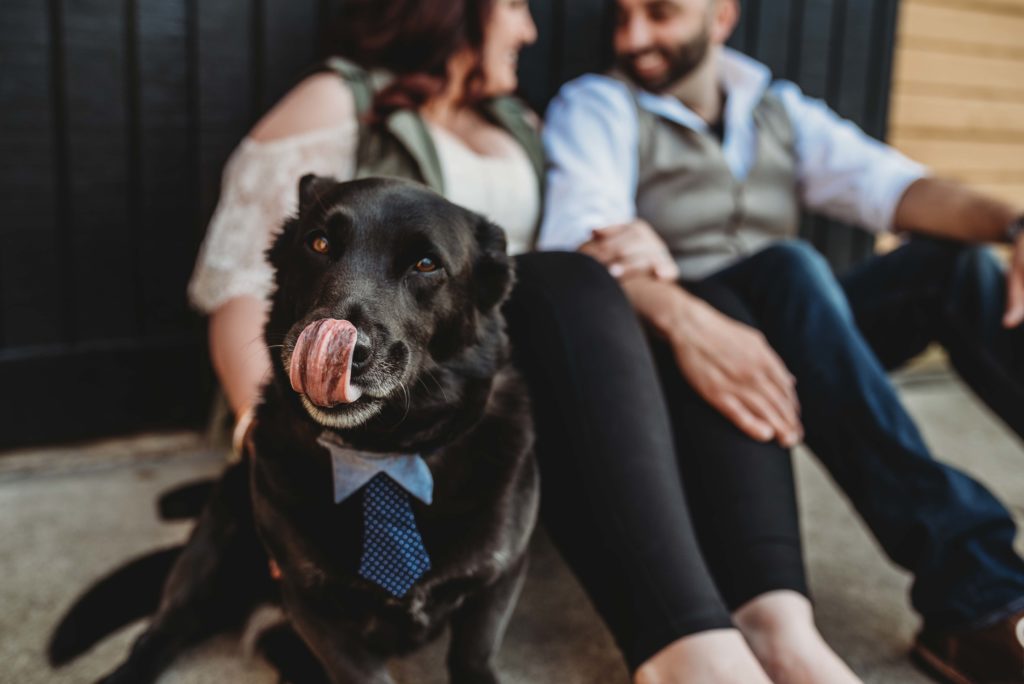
(730, 365)
(240, 358)
(240, 435)
(631, 249)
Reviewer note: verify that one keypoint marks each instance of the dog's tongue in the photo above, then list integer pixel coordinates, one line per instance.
(321, 364)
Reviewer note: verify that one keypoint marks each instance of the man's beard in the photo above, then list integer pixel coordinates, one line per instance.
(681, 62)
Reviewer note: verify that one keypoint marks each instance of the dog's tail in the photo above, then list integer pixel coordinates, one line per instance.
(129, 593)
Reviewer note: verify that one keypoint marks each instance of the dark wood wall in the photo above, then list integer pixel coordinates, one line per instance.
(116, 117)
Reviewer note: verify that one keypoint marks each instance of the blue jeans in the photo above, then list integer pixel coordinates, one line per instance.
(838, 337)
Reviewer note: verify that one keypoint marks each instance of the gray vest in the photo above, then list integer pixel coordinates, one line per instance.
(708, 218)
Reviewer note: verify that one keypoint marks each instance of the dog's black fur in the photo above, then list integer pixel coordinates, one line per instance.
(432, 360)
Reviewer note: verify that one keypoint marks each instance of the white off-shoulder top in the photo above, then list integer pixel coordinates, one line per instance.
(259, 190)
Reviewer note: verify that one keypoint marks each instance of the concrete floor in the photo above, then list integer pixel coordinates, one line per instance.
(68, 514)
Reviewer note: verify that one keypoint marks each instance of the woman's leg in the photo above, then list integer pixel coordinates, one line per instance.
(743, 502)
(611, 493)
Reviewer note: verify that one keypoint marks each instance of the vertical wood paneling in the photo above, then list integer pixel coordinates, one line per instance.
(290, 46)
(751, 11)
(539, 62)
(327, 21)
(586, 42)
(133, 182)
(876, 119)
(812, 72)
(118, 115)
(855, 60)
(851, 46)
(795, 51)
(102, 283)
(225, 89)
(31, 303)
(773, 37)
(739, 35)
(165, 231)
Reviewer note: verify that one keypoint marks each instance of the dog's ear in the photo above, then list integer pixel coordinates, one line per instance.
(312, 190)
(493, 274)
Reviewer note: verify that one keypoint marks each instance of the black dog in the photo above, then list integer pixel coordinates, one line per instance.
(386, 338)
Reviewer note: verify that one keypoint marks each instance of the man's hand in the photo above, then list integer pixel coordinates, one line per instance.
(630, 249)
(1015, 286)
(728, 363)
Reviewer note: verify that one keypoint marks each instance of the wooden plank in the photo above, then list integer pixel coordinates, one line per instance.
(31, 273)
(739, 34)
(1012, 7)
(290, 41)
(773, 36)
(328, 24)
(945, 113)
(985, 93)
(752, 14)
(879, 85)
(812, 69)
(915, 66)
(167, 210)
(856, 60)
(589, 49)
(538, 63)
(102, 276)
(1012, 192)
(955, 156)
(226, 90)
(973, 25)
(952, 47)
(105, 390)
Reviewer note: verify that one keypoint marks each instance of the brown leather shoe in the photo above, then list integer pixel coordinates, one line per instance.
(990, 655)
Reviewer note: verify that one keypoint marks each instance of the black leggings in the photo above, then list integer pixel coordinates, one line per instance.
(665, 540)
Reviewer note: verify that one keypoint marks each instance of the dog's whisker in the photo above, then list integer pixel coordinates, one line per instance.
(440, 387)
(408, 404)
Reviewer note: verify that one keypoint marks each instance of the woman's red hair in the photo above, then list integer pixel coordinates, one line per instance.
(414, 40)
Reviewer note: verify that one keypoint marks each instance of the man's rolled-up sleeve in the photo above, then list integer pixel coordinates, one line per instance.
(841, 171)
(590, 138)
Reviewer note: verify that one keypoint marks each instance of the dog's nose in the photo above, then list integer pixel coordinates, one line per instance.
(361, 354)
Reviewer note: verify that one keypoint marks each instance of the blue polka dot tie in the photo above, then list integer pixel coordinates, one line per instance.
(393, 553)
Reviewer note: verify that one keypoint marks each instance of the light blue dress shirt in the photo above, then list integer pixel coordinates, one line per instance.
(591, 140)
(353, 469)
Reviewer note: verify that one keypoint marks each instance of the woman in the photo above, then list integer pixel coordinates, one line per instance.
(614, 501)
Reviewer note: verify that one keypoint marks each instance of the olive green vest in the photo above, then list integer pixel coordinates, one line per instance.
(688, 194)
(402, 146)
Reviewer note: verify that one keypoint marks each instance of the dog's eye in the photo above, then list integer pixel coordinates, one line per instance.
(426, 265)
(318, 242)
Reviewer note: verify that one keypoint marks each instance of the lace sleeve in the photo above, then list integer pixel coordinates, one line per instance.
(259, 189)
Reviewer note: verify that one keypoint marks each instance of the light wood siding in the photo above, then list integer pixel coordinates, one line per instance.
(958, 91)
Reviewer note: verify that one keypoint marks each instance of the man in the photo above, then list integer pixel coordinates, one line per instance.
(684, 170)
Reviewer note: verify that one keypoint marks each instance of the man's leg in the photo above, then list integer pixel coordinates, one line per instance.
(941, 291)
(930, 518)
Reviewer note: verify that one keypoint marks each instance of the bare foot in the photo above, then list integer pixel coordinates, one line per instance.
(718, 656)
(779, 626)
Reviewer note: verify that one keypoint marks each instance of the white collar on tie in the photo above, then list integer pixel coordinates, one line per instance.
(354, 468)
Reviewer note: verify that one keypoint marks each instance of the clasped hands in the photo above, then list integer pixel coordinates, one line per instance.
(730, 364)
